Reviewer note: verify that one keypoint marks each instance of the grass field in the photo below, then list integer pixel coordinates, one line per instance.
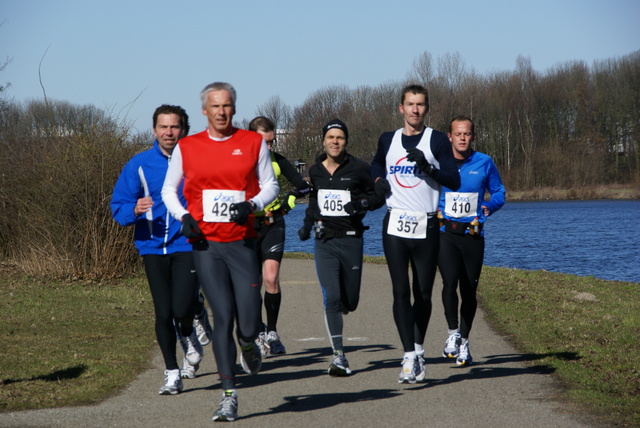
(71, 343)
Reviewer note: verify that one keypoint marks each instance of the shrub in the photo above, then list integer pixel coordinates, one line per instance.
(61, 162)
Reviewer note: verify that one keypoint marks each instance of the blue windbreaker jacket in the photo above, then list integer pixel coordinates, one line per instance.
(156, 232)
(478, 174)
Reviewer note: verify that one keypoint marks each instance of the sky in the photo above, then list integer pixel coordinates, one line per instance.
(129, 57)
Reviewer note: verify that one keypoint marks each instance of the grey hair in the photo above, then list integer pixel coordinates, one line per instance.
(217, 86)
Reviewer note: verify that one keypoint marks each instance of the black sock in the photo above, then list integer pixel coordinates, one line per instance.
(272, 306)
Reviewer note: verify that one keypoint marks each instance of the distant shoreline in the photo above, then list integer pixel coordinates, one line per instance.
(559, 194)
(585, 193)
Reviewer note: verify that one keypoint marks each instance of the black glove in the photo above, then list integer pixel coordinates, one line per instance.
(382, 187)
(240, 212)
(190, 227)
(304, 232)
(289, 202)
(416, 155)
(358, 205)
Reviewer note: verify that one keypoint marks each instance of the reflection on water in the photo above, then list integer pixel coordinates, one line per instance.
(599, 238)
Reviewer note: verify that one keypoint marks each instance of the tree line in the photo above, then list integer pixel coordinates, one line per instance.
(571, 126)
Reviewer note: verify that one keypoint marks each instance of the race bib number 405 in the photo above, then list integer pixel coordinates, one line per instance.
(459, 205)
(215, 204)
(407, 224)
(331, 202)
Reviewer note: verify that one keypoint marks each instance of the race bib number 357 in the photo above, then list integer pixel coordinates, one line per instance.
(407, 224)
(215, 204)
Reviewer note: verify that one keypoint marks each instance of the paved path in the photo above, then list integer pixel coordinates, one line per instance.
(294, 390)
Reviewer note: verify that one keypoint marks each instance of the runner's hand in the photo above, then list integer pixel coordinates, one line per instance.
(416, 155)
(240, 212)
(304, 232)
(358, 205)
(382, 187)
(289, 202)
(190, 228)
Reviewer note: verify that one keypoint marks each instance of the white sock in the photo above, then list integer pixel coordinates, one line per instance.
(411, 355)
(419, 349)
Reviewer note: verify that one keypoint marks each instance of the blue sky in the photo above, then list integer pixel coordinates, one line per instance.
(128, 57)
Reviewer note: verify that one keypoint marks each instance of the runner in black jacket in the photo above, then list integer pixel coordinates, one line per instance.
(342, 193)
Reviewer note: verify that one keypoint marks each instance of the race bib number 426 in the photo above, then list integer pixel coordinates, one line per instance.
(215, 204)
(407, 224)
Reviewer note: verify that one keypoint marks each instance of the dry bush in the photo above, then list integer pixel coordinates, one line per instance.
(57, 183)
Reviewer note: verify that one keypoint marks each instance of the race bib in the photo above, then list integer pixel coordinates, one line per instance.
(407, 224)
(331, 202)
(459, 205)
(215, 204)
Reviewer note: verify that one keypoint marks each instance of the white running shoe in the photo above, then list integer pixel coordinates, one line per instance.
(203, 327)
(452, 346)
(408, 373)
(263, 344)
(172, 383)
(339, 366)
(275, 345)
(193, 349)
(228, 410)
(464, 356)
(188, 371)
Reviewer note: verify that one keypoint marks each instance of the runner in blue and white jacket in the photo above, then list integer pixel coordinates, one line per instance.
(166, 253)
(462, 214)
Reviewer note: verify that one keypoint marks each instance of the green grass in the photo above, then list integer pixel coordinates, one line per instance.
(585, 329)
(71, 343)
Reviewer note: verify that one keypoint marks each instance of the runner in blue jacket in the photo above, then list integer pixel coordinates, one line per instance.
(462, 214)
(165, 251)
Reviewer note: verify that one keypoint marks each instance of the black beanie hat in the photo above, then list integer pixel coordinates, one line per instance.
(335, 123)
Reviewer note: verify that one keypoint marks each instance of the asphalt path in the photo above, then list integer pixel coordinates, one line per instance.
(501, 389)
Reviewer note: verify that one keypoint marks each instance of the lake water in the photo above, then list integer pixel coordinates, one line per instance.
(599, 238)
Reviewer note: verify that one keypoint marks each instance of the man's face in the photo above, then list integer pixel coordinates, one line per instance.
(414, 110)
(269, 137)
(334, 142)
(168, 131)
(219, 110)
(461, 138)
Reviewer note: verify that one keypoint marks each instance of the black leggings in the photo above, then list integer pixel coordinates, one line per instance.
(411, 320)
(339, 269)
(460, 262)
(174, 288)
(230, 279)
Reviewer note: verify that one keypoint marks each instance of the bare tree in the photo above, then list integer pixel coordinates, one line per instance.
(422, 70)
(276, 110)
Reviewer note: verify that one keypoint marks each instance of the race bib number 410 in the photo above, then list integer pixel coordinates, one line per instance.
(459, 205)
(215, 204)
(407, 224)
